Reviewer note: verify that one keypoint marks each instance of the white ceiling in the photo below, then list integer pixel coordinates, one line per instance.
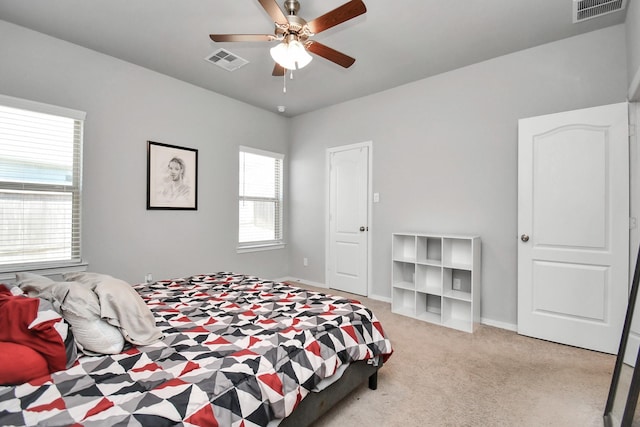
(394, 43)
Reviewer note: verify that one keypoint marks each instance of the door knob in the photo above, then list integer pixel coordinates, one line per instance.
(524, 238)
(362, 228)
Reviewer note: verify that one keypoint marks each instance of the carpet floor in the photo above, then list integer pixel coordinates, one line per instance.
(494, 377)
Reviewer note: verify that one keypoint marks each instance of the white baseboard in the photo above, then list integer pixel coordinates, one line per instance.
(308, 282)
(497, 324)
(483, 320)
(324, 286)
(380, 298)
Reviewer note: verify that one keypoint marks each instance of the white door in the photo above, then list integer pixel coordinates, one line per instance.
(573, 226)
(347, 260)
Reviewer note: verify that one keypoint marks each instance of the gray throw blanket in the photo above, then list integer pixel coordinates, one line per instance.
(102, 310)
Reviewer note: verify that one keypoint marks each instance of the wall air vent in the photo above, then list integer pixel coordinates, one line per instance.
(587, 9)
(227, 60)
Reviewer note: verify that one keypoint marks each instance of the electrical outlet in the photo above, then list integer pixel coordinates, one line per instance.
(457, 284)
(305, 261)
(148, 278)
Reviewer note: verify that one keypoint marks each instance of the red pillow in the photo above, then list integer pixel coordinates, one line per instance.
(20, 364)
(21, 322)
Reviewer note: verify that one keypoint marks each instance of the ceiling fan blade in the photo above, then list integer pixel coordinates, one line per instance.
(242, 37)
(337, 16)
(330, 54)
(278, 70)
(274, 11)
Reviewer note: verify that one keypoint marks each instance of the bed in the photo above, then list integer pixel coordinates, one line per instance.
(236, 351)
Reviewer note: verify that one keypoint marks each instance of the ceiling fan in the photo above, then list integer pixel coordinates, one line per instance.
(295, 34)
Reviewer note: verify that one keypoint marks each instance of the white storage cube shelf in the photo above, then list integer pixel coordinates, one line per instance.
(404, 274)
(404, 248)
(436, 278)
(403, 301)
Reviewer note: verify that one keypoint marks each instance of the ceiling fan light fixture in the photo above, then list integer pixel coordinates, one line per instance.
(291, 55)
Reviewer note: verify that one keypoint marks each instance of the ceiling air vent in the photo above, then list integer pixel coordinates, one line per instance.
(227, 60)
(587, 9)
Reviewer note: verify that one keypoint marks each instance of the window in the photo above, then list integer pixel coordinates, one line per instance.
(40, 185)
(260, 197)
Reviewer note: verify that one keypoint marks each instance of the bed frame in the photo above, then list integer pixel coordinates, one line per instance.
(317, 404)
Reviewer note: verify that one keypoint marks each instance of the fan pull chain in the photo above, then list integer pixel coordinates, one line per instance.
(284, 81)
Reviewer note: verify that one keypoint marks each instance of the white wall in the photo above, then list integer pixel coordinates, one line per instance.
(127, 105)
(445, 154)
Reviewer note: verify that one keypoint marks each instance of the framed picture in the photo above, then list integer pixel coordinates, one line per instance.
(172, 177)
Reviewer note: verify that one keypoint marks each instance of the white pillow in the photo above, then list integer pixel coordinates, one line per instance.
(94, 335)
(80, 308)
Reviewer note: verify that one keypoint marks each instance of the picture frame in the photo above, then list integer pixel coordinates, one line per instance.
(172, 177)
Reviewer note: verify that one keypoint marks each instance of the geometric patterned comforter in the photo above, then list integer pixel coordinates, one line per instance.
(238, 351)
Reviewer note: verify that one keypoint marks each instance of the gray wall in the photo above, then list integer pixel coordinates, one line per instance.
(127, 105)
(445, 154)
(632, 24)
(445, 151)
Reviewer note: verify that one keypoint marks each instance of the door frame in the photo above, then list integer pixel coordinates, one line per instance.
(634, 187)
(633, 342)
(327, 211)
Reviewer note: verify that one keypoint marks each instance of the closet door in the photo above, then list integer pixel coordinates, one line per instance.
(347, 266)
(573, 226)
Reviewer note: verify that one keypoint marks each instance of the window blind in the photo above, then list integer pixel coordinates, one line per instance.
(260, 198)
(40, 184)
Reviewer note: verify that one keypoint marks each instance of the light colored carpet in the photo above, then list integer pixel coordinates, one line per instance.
(442, 377)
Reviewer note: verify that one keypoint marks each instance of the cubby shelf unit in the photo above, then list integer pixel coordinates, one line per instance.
(436, 278)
